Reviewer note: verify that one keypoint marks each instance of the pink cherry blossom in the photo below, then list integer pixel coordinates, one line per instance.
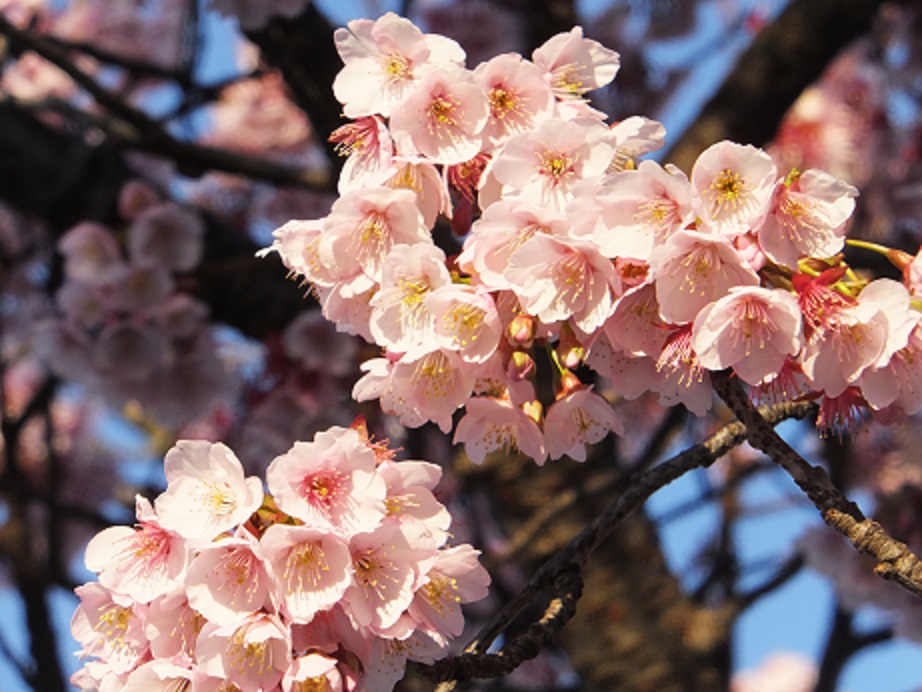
(574, 65)
(692, 269)
(252, 654)
(752, 329)
(228, 579)
(421, 177)
(899, 382)
(362, 229)
(580, 418)
(311, 568)
(491, 424)
(329, 483)
(410, 498)
(557, 280)
(455, 577)
(158, 676)
(312, 671)
(384, 59)
(849, 336)
(368, 146)
(636, 325)
(385, 575)
(808, 217)
(517, 94)
(634, 211)
(734, 183)
(90, 252)
(173, 626)
(635, 136)
(543, 165)
(384, 661)
(681, 379)
(206, 492)
(502, 229)
(429, 388)
(400, 320)
(441, 118)
(465, 320)
(110, 627)
(630, 375)
(297, 243)
(144, 563)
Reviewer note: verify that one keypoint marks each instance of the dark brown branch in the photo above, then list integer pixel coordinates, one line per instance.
(567, 587)
(134, 129)
(575, 554)
(785, 58)
(302, 49)
(784, 574)
(895, 561)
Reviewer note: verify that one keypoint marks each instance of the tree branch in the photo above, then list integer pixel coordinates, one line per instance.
(133, 128)
(475, 663)
(895, 561)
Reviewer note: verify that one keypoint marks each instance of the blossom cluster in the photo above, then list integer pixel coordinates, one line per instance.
(332, 581)
(126, 329)
(577, 252)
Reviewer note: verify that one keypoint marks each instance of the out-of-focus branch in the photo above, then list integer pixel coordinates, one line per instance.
(476, 663)
(132, 128)
(785, 58)
(895, 561)
(302, 49)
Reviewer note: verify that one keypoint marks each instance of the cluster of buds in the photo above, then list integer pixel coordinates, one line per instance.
(332, 581)
(576, 251)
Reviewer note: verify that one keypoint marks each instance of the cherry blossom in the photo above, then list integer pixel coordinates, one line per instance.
(400, 319)
(228, 579)
(252, 654)
(808, 217)
(442, 118)
(330, 482)
(206, 493)
(634, 210)
(543, 165)
(575, 65)
(692, 269)
(491, 424)
(144, 563)
(734, 183)
(556, 280)
(384, 59)
(311, 569)
(517, 94)
(581, 417)
(752, 329)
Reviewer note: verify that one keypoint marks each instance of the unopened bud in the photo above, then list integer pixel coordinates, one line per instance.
(521, 331)
(534, 410)
(569, 383)
(521, 365)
